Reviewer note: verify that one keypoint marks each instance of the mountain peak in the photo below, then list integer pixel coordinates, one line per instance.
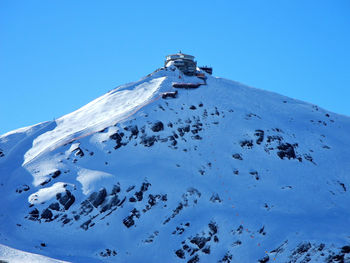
(180, 166)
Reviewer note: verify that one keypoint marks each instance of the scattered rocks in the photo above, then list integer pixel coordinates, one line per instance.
(108, 253)
(246, 144)
(226, 259)
(22, 188)
(129, 220)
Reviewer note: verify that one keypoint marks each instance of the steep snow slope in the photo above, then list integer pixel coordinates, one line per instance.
(16, 256)
(222, 173)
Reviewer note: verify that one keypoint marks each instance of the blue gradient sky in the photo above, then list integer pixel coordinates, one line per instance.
(56, 56)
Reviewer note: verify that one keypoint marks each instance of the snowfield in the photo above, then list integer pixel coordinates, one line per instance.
(221, 173)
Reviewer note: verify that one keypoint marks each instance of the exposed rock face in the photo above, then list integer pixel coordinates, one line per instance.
(66, 199)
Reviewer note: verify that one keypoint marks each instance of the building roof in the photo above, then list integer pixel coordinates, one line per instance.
(179, 55)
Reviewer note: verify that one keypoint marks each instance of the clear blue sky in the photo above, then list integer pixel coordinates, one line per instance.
(56, 56)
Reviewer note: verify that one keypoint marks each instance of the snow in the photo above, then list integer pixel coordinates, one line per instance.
(12, 255)
(302, 200)
(47, 193)
(91, 179)
(102, 112)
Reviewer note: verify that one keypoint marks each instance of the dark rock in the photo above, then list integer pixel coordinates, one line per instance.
(97, 198)
(206, 250)
(144, 186)
(199, 241)
(309, 158)
(321, 247)
(116, 189)
(173, 140)
(148, 141)
(118, 137)
(134, 130)
(255, 174)
(336, 258)
(274, 138)
(139, 195)
(169, 94)
(56, 174)
(195, 259)
(192, 107)
(157, 127)
(132, 199)
(2, 153)
(34, 214)
(264, 259)
(66, 221)
(215, 198)
(86, 207)
(180, 253)
(213, 228)
(22, 188)
(343, 186)
(114, 201)
(79, 152)
(129, 221)
(55, 206)
(286, 150)
(85, 225)
(45, 182)
(196, 137)
(43, 244)
(260, 135)
(345, 249)
(66, 200)
(46, 214)
(237, 156)
(247, 144)
(130, 188)
(302, 248)
(226, 259)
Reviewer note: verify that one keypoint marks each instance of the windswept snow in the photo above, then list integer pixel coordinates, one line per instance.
(47, 193)
(11, 255)
(96, 115)
(92, 180)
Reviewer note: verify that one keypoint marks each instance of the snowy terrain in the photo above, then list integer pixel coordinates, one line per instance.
(221, 173)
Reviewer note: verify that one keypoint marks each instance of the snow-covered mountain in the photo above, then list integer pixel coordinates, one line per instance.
(221, 173)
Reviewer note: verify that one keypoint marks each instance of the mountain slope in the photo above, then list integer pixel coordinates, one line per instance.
(222, 173)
